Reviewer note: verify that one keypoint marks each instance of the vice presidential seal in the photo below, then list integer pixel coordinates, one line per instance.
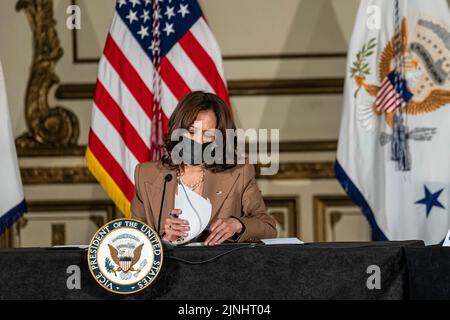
(125, 256)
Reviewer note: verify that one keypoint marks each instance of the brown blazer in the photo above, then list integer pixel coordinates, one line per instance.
(232, 193)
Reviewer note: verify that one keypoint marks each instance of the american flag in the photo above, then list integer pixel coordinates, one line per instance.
(156, 52)
(393, 93)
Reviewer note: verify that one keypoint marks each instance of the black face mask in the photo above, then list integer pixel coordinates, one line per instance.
(192, 152)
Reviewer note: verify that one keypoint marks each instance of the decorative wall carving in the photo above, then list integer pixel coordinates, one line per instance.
(47, 126)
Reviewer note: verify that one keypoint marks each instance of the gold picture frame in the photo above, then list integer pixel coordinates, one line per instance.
(285, 210)
(321, 203)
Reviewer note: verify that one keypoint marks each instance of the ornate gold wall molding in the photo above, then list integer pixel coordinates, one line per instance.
(301, 171)
(56, 175)
(277, 207)
(78, 91)
(286, 87)
(80, 175)
(320, 204)
(52, 127)
(284, 147)
(74, 151)
(307, 146)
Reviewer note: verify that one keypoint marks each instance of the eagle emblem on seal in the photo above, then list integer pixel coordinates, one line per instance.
(125, 259)
(426, 65)
(125, 252)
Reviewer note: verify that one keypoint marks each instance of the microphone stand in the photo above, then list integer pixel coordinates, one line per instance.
(167, 178)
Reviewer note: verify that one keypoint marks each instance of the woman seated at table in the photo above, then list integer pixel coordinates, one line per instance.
(235, 209)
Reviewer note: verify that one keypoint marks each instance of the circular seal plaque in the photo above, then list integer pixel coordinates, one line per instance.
(125, 256)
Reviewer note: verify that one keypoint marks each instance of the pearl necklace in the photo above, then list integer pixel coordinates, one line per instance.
(195, 185)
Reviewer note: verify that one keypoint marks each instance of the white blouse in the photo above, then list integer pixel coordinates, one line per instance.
(195, 209)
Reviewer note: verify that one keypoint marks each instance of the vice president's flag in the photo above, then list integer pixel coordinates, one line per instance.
(12, 202)
(393, 155)
(156, 53)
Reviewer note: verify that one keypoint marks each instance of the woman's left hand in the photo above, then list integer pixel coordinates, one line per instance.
(222, 230)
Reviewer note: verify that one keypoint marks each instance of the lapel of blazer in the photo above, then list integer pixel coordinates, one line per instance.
(155, 191)
(217, 188)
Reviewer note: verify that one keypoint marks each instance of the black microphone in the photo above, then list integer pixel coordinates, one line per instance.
(167, 178)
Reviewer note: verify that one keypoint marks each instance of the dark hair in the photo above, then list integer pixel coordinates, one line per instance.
(184, 116)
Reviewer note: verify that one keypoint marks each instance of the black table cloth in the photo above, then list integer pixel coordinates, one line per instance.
(429, 272)
(238, 271)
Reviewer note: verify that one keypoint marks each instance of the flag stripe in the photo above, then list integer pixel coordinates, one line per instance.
(116, 118)
(187, 69)
(140, 62)
(384, 87)
(201, 30)
(389, 104)
(132, 50)
(113, 142)
(110, 186)
(385, 94)
(205, 64)
(388, 99)
(171, 76)
(102, 154)
(129, 76)
(124, 99)
(394, 105)
(385, 100)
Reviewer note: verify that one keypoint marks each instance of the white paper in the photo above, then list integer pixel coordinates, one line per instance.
(447, 240)
(77, 246)
(196, 244)
(195, 209)
(282, 241)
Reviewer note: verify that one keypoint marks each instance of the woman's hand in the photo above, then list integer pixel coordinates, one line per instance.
(174, 227)
(222, 230)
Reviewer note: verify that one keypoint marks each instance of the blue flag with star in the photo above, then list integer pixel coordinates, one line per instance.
(393, 157)
(431, 200)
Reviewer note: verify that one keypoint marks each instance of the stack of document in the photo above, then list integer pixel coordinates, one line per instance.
(195, 209)
(282, 241)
